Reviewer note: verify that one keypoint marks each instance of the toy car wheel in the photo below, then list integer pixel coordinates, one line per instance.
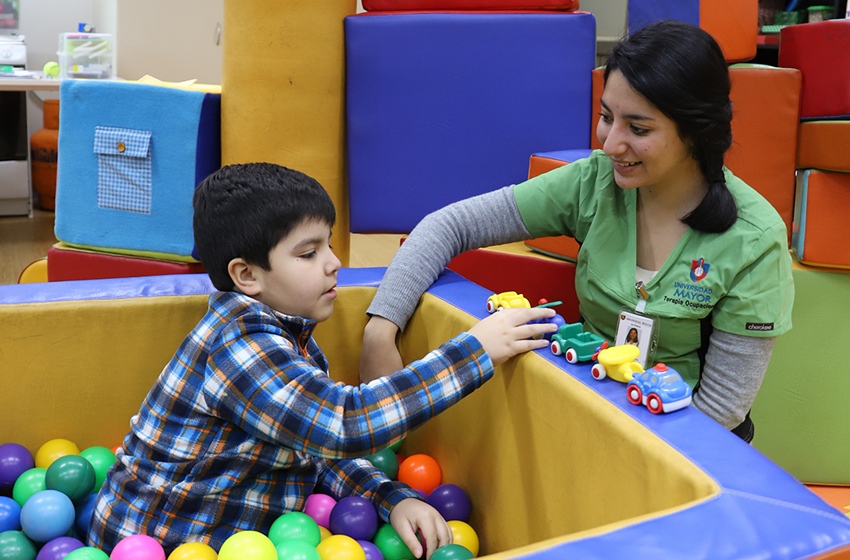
(571, 355)
(654, 404)
(555, 347)
(634, 394)
(598, 372)
(491, 307)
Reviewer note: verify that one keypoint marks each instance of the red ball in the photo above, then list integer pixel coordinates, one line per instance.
(420, 472)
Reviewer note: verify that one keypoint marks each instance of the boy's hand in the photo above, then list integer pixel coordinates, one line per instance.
(379, 356)
(411, 515)
(505, 334)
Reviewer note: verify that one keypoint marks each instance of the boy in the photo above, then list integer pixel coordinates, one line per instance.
(244, 423)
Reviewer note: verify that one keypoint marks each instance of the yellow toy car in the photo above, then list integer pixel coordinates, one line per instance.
(617, 362)
(506, 300)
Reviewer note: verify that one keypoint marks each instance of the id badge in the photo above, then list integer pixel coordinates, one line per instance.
(638, 329)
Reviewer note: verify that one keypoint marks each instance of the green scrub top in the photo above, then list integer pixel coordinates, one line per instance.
(741, 278)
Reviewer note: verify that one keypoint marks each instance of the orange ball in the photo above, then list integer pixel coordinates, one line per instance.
(420, 472)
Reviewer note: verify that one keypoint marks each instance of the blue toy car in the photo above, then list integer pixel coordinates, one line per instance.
(660, 388)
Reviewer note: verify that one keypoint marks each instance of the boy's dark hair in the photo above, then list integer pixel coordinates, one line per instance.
(681, 70)
(244, 210)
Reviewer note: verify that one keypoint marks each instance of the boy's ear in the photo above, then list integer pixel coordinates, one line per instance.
(242, 274)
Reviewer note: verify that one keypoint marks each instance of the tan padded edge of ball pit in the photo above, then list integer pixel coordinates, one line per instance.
(283, 92)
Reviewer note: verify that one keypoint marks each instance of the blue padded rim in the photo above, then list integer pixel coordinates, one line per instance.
(644, 12)
(568, 156)
(798, 233)
(443, 106)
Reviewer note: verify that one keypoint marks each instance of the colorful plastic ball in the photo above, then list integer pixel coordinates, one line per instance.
(15, 459)
(340, 547)
(193, 551)
(138, 547)
(464, 535)
(58, 548)
(72, 475)
(397, 445)
(319, 506)
(54, 449)
(325, 532)
(391, 545)
(101, 459)
(295, 525)
(10, 514)
(420, 471)
(47, 515)
(14, 545)
(354, 517)
(372, 552)
(296, 549)
(84, 509)
(87, 553)
(451, 501)
(247, 545)
(386, 462)
(28, 483)
(452, 552)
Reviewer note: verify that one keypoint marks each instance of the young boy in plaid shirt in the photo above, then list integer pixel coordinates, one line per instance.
(243, 424)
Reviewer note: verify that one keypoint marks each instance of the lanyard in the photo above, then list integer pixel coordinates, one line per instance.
(643, 295)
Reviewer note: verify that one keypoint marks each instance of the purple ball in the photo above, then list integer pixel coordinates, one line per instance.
(58, 548)
(355, 517)
(451, 501)
(14, 460)
(372, 551)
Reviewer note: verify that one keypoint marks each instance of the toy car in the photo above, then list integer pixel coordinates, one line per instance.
(556, 320)
(506, 300)
(616, 362)
(660, 388)
(574, 343)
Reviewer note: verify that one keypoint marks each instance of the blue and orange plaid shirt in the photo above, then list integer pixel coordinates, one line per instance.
(243, 424)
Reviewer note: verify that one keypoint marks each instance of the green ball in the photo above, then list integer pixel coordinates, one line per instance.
(296, 549)
(86, 553)
(30, 482)
(391, 545)
(397, 445)
(72, 475)
(51, 69)
(452, 552)
(386, 462)
(295, 525)
(101, 459)
(14, 545)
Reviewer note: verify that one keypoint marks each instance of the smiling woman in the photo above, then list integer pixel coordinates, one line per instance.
(657, 208)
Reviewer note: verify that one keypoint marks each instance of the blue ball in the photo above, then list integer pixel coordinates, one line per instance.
(451, 501)
(355, 517)
(10, 515)
(47, 515)
(85, 508)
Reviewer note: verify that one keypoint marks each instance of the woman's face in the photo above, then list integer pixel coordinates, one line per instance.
(644, 144)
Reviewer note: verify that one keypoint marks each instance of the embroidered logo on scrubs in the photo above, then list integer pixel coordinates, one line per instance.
(699, 269)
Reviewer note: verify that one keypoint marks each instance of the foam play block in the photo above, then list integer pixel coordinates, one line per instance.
(68, 263)
(283, 67)
(801, 409)
(130, 157)
(443, 106)
(560, 246)
(732, 23)
(821, 51)
(820, 218)
(433, 5)
(824, 145)
(537, 448)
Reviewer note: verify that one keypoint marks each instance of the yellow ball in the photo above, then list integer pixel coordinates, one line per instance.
(324, 532)
(248, 545)
(193, 551)
(464, 535)
(340, 547)
(51, 69)
(54, 449)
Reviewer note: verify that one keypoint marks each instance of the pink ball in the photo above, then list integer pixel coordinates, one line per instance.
(137, 547)
(319, 507)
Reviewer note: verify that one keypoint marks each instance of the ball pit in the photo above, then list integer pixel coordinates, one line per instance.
(101, 459)
(385, 461)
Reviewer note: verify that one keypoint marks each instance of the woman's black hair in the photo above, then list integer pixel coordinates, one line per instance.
(681, 70)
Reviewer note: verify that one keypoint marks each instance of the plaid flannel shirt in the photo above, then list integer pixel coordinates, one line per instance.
(243, 424)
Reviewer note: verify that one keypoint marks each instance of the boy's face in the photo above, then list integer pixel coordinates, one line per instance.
(303, 273)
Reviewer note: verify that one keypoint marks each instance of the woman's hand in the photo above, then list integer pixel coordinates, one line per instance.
(379, 355)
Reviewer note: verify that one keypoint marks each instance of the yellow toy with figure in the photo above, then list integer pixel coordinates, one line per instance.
(617, 362)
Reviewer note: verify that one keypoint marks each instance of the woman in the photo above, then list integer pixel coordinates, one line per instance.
(668, 234)
(632, 337)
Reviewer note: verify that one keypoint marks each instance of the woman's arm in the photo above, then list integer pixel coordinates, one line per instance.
(734, 369)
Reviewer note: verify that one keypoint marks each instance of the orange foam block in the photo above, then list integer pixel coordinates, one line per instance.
(824, 145)
(820, 220)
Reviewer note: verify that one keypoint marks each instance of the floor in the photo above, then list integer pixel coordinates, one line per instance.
(24, 240)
